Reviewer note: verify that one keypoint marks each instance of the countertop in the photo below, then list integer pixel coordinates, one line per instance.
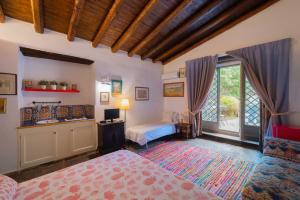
(52, 124)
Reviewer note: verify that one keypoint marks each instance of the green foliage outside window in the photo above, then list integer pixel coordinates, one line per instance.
(230, 91)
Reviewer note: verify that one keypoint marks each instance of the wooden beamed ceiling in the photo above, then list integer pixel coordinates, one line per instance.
(107, 22)
(158, 28)
(133, 26)
(2, 16)
(182, 28)
(161, 30)
(77, 10)
(37, 15)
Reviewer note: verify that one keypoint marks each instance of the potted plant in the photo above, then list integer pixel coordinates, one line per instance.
(53, 85)
(43, 84)
(64, 85)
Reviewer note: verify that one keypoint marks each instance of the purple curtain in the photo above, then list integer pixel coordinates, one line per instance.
(267, 68)
(199, 76)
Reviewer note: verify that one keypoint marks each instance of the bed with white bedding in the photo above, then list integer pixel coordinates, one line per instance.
(142, 134)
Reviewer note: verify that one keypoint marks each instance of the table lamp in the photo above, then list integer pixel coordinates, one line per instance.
(124, 105)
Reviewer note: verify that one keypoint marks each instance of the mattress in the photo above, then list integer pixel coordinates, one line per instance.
(118, 175)
(142, 134)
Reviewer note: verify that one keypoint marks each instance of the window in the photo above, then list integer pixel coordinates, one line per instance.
(252, 106)
(210, 112)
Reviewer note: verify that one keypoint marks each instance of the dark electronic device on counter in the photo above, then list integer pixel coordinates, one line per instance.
(111, 114)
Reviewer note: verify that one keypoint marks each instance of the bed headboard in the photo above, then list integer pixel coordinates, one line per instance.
(286, 132)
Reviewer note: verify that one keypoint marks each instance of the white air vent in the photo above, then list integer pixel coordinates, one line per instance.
(105, 80)
(169, 75)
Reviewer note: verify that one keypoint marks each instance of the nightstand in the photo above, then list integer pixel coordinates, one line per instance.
(184, 130)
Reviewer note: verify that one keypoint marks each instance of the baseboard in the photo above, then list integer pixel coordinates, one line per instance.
(10, 172)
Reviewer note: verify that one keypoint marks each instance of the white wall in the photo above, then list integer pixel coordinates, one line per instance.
(9, 63)
(133, 71)
(42, 69)
(133, 76)
(279, 21)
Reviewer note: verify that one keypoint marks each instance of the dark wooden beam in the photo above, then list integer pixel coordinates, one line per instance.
(2, 16)
(133, 26)
(251, 13)
(159, 27)
(106, 23)
(77, 10)
(183, 27)
(37, 15)
(54, 56)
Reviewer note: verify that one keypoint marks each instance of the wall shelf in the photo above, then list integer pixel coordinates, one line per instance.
(54, 56)
(49, 90)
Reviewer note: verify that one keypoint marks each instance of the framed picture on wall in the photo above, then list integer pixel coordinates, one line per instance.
(141, 93)
(174, 89)
(3, 102)
(181, 72)
(8, 84)
(116, 87)
(104, 97)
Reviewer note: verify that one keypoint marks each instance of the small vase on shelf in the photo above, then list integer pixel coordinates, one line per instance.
(43, 84)
(63, 85)
(53, 85)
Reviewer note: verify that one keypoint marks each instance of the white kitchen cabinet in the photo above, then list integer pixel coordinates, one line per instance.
(83, 138)
(38, 145)
(64, 143)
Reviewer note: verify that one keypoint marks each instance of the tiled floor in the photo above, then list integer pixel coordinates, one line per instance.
(229, 149)
(40, 170)
(237, 152)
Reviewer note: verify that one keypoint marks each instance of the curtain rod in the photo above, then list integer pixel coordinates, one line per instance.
(46, 102)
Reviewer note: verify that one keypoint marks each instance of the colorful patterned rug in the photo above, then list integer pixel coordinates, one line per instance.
(215, 172)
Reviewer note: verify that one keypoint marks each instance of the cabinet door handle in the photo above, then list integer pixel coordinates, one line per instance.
(72, 130)
(54, 132)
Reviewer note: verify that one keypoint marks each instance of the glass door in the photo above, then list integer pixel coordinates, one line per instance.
(232, 106)
(210, 116)
(250, 113)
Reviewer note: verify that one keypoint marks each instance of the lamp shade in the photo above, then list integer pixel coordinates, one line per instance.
(124, 104)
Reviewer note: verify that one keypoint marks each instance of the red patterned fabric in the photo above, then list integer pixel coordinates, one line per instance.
(119, 175)
(8, 188)
(286, 132)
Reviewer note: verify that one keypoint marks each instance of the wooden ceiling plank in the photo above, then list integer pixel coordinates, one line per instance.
(107, 22)
(158, 28)
(181, 28)
(202, 30)
(2, 16)
(218, 32)
(38, 15)
(133, 26)
(77, 10)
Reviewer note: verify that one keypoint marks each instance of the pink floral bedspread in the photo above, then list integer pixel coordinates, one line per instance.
(119, 175)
